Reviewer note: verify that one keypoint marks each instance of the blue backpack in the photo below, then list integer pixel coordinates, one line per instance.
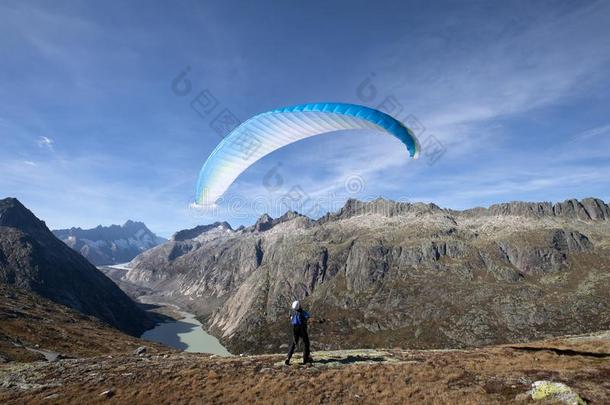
(298, 318)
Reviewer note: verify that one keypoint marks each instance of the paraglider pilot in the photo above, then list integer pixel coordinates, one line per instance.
(298, 320)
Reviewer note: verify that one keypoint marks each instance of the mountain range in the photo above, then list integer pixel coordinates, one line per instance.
(107, 245)
(374, 274)
(393, 274)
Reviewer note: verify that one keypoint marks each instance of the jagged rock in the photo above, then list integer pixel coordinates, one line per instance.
(549, 254)
(596, 208)
(521, 208)
(380, 206)
(265, 222)
(587, 209)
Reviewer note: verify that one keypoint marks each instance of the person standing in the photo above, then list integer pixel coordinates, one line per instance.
(298, 320)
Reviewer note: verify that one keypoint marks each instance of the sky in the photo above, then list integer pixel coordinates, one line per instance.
(100, 120)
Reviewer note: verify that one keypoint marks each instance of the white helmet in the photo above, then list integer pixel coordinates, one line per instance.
(296, 305)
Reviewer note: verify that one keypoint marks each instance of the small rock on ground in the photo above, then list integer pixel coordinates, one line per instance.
(52, 396)
(140, 350)
(108, 393)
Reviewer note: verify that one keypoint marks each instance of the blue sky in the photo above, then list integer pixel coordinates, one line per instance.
(515, 94)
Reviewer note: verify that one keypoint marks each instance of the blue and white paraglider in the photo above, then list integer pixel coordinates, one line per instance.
(269, 131)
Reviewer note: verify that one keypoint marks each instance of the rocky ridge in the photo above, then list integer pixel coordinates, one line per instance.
(386, 273)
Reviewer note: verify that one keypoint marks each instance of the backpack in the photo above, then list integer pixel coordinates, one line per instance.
(296, 319)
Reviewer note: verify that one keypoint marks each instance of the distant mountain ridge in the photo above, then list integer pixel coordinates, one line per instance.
(389, 273)
(106, 245)
(198, 230)
(33, 259)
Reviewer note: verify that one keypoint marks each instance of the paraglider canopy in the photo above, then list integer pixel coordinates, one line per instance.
(269, 131)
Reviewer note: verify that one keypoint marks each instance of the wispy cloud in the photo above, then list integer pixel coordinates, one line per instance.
(596, 132)
(516, 93)
(475, 96)
(45, 142)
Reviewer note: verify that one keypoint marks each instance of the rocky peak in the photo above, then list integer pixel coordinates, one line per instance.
(13, 214)
(134, 225)
(199, 230)
(290, 215)
(264, 223)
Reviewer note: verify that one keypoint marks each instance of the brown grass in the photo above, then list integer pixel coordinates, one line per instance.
(490, 375)
(28, 320)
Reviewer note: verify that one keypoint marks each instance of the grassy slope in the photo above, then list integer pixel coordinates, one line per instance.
(28, 320)
(489, 375)
(103, 360)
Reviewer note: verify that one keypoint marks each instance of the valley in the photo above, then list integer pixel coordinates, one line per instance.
(414, 303)
(387, 274)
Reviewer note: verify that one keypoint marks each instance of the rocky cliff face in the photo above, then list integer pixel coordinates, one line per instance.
(33, 259)
(105, 245)
(385, 273)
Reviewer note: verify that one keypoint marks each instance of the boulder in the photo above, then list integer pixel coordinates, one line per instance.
(555, 392)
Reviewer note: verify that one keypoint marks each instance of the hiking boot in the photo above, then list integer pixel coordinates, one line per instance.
(287, 362)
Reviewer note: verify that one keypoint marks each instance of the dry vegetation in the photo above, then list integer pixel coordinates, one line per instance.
(28, 321)
(490, 375)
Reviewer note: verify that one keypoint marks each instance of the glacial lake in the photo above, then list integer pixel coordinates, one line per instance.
(186, 334)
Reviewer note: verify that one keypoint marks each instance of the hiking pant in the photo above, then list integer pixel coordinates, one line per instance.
(299, 332)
